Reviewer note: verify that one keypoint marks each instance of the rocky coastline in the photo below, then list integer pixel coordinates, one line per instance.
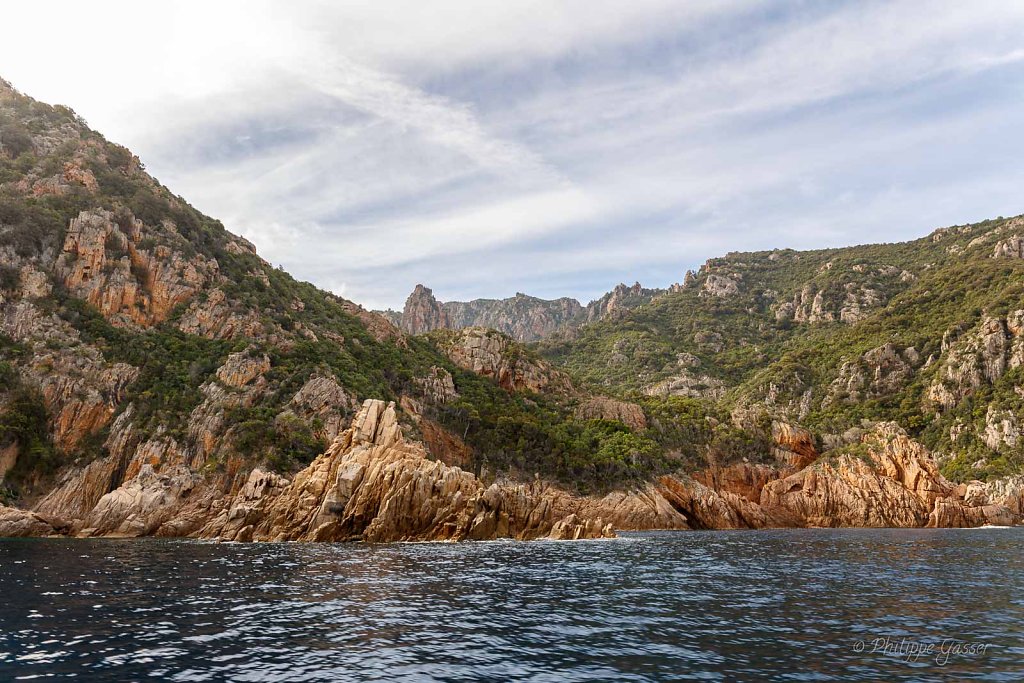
(375, 485)
(159, 378)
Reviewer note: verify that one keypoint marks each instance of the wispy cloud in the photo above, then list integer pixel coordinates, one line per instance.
(551, 147)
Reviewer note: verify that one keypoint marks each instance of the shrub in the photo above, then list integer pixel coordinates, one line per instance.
(24, 421)
(15, 140)
(9, 278)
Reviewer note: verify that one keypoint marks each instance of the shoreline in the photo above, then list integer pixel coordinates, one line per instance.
(620, 535)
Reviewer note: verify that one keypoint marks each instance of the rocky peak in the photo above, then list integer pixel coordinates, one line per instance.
(422, 312)
(522, 317)
(621, 298)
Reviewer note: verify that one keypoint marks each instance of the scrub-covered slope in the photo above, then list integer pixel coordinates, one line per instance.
(137, 333)
(927, 334)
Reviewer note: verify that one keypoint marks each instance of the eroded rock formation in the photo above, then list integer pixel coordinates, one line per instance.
(372, 484)
(492, 354)
(977, 357)
(108, 262)
(80, 388)
(521, 317)
(890, 481)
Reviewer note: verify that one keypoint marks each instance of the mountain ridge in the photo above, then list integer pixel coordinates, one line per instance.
(523, 317)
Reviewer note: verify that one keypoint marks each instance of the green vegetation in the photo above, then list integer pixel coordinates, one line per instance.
(24, 426)
(920, 291)
(760, 343)
(532, 434)
(284, 442)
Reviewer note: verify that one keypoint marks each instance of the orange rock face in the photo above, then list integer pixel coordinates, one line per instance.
(373, 484)
(794, 445)
(108, 264)
(893, 482)
(80, 388)
(491, 354)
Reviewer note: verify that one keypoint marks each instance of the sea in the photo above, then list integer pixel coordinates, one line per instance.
(778, 605)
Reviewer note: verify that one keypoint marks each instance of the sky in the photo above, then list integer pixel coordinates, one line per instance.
(545, 146)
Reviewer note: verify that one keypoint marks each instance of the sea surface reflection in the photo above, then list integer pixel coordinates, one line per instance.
(802, 605)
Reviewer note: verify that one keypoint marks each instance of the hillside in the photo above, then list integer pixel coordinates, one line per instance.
(135, 330)
(157, 377)
(925, 333)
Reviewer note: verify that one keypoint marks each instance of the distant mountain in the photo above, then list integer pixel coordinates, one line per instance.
(522, 317)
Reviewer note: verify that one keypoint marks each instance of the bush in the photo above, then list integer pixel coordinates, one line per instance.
(15, 140)
(114, 247)
(10, 276)
(284, 442)
(25, 422)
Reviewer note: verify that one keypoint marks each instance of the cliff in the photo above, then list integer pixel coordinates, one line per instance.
(522, 317)
(373, 484)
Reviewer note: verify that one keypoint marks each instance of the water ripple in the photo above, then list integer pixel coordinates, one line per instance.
(785, 605)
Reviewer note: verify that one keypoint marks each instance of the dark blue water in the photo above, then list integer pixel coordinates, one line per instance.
(802, 605)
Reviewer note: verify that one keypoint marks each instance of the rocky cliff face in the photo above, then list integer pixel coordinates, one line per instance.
(494, 355)
(372, 484)
(888, 481)
(105, 262)
(891, 481)
(522, 317)
(977, 357)
(81, 389)
(623, 298)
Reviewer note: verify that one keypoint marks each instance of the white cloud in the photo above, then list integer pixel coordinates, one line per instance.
(495, 146)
